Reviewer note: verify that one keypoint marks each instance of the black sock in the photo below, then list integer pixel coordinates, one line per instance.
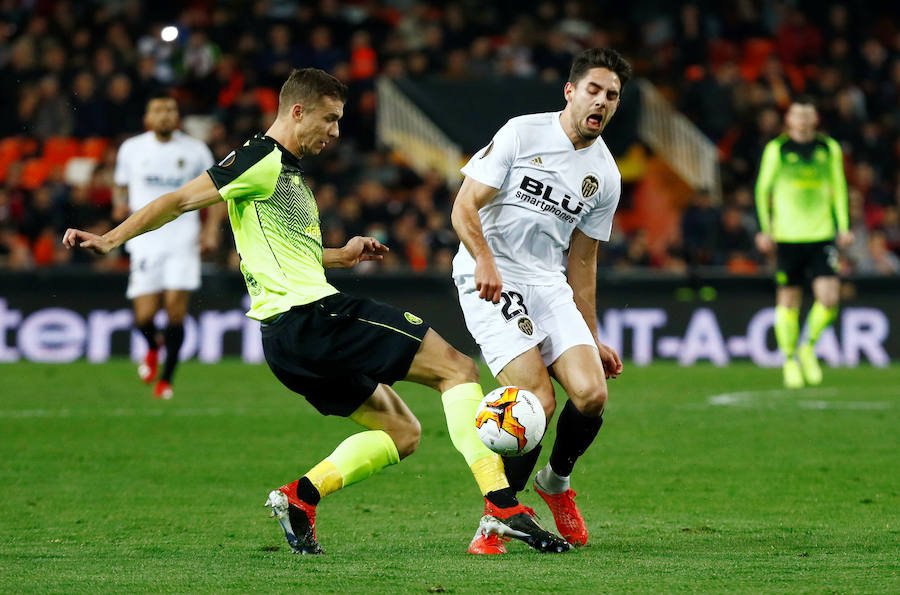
(518, 469)
(174, 339)
(574, 433)
(149, 332)
(307, 492)
(505, 498)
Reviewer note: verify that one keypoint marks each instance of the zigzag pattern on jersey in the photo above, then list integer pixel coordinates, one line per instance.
(290, 220)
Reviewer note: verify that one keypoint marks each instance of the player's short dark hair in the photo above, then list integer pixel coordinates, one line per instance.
(804, 100)
(159, 94)
(600, 58)
(305, 86)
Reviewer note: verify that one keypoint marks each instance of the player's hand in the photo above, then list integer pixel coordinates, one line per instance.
(764, 242)
(86, 239)
(488, 281)
(361, 248)
(612, 365)
(845, 238)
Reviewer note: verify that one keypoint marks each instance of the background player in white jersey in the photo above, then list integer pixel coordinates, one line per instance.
(545, 184)
(165, 263)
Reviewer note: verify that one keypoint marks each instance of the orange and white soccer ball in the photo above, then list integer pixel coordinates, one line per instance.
(510, 421)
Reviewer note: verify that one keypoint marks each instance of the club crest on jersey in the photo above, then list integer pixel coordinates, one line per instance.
(589, 185)
(229, 159)
(252, 284)
(181, 162)
(526, 326)
(487, 151)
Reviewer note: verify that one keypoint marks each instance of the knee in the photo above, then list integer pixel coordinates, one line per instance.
(406, 436)
(460, 369)
(592, 401)
(829, 300)
(547, 396)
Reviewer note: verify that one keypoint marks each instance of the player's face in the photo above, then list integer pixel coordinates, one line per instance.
(318, 125)
(801, 121)
(161, 116)
(592, 101)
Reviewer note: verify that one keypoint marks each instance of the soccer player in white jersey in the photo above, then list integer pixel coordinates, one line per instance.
(165, 263)
(534, 204)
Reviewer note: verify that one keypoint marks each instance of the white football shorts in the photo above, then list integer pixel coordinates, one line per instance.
(158, 271)
(527, 315)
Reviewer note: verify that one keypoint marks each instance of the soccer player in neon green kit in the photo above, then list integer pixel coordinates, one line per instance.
(802, 173)
(341, 352)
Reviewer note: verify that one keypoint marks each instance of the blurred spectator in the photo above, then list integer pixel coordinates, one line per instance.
(66, 70)
(700, 230)
(52, 114)
(879, 260)
(89, 110)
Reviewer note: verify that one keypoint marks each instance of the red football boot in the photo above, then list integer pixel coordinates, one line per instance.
(519, 522)
(163, 390)
(297, 519)
(568, 518)
(147, 368)
(487, 543)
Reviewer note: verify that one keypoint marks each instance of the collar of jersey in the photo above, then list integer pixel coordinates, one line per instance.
(562, 134)
(286, 156)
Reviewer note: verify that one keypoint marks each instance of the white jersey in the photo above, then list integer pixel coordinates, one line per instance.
(547, 188)
(150, 168)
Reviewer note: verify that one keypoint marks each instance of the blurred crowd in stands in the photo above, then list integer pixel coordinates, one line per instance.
(75, 76)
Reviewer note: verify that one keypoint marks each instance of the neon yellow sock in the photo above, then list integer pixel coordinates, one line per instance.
(460, 406)
(787, 327)
(355, 459)
(818, 319)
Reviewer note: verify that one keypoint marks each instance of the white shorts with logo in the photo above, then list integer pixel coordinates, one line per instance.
(527, 316)
(153, 272)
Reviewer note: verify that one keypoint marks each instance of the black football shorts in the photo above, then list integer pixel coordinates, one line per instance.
(798, 261)
(336, 350)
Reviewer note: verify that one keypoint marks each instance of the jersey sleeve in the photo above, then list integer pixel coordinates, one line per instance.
(248, 173)
(767, 169)
(121, 173)
(598, 222)
(838, 186)
(491, 164)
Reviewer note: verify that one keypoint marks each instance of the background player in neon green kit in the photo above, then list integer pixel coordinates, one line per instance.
(802, 173)
(341, 352)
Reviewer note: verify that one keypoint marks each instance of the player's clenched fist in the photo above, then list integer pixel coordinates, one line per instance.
(488, 281)
(85, 239)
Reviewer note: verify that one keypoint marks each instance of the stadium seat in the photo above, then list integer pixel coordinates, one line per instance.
(755, 53)
(35, 173)
(267, 99)
(94, 147)
(11, 149)
(59, 149)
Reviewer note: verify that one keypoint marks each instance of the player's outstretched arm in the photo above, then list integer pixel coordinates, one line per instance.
(359, 248)
(472, 196)
(196, 194)
(582, 276)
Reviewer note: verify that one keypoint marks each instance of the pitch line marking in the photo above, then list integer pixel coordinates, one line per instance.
(122, 412)
(752, 398)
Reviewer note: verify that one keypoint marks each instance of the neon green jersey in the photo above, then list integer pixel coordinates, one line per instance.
(808, 189)
(275, 222)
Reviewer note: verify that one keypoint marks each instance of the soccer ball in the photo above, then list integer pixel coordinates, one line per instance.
(510, 421)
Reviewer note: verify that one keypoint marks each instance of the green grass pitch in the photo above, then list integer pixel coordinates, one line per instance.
(702, 479)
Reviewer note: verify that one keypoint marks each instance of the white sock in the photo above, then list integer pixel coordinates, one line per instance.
(550, 482)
